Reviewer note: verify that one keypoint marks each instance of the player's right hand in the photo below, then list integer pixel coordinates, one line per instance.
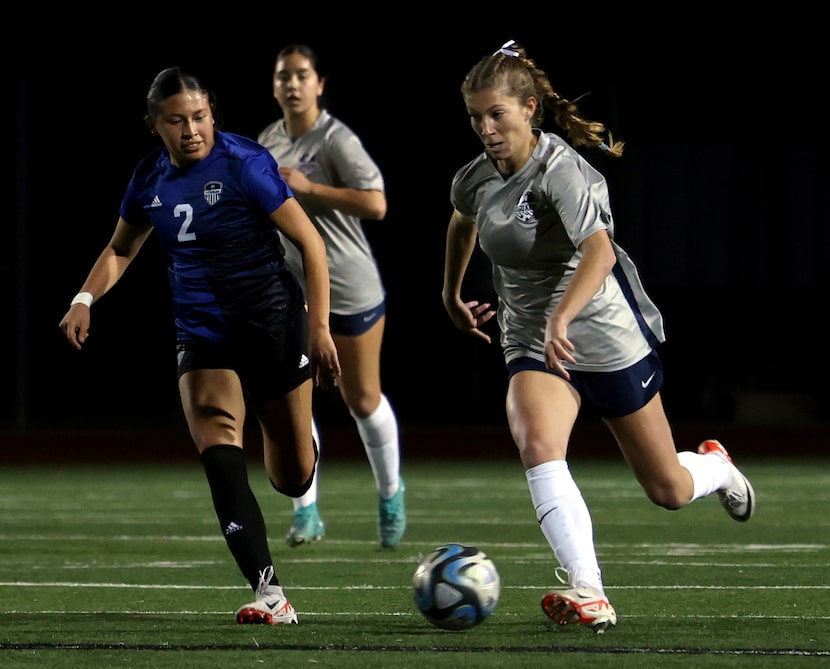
(470, 316)
(75, 325)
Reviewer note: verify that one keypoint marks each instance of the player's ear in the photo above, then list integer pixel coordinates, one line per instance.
(151, 126)
(530, 107)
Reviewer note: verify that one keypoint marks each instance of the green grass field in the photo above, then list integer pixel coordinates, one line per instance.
(124, 566)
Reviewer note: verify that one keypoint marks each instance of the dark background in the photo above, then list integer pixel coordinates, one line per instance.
(720, 197)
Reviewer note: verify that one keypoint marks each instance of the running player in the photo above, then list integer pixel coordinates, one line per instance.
(576, 327)
(218, 204)
(338, 184)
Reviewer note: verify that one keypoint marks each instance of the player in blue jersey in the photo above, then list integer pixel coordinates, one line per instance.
(577, 329)
(338, 184)
(244, 328)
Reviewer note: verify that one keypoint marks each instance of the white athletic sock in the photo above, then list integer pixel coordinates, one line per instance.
(565, 521)
(709, 472)
(379, 433)
(310, 496)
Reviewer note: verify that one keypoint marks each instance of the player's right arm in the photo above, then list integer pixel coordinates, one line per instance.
(467, 316)
(117, 255)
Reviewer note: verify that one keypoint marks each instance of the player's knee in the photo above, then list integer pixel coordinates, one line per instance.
(294, 490)
(666, 497)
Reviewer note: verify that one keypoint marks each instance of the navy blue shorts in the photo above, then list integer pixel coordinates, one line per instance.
(269, 364)
(356, 324)
(608, 394)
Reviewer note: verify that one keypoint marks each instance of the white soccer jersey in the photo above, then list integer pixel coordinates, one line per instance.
(330, 153)
(530, 226)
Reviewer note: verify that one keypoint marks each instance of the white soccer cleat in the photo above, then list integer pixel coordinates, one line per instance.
(580, 606)
(738, 498)
(270, 607)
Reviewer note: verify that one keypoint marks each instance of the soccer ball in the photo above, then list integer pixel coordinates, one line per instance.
(456, 587)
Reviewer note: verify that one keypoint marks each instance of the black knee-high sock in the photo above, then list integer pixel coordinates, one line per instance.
(240, 517)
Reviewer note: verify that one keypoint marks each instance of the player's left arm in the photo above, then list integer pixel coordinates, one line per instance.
(598, 259)
(295, 224)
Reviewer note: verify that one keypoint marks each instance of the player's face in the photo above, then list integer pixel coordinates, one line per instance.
(185, 125)
(502, 123)
(297, 85)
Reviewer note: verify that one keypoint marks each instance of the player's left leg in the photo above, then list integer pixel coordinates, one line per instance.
(377, 424)
(674, 479)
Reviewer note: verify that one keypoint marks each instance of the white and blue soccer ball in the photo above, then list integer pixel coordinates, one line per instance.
(456, 587)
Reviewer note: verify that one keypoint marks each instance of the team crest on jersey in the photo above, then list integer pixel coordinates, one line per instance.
(524, 210)
(307, 164)
(213, 191)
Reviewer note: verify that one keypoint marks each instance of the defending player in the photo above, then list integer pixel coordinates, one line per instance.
(217, 204)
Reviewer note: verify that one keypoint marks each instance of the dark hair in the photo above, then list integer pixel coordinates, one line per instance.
(314, 59)
(510, 68)
(308, 52)
(172, 81)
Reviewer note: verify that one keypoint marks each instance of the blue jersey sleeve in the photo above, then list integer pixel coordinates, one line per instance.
(132, 208)
(263, 184)
(259, 179)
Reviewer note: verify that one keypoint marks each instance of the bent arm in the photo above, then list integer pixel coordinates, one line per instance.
(366, 204)
(111, 264)
(598, 259)
(466, 316)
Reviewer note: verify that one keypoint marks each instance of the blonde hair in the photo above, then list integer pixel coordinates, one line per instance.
(510, 68)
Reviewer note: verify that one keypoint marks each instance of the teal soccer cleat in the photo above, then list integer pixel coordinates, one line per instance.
(306, 527)
(392, 521)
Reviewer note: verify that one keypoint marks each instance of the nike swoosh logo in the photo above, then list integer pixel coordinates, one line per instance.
(646, 383)
(366, 319)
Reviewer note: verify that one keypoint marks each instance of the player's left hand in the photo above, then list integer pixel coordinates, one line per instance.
(558, 347)
(325, 363)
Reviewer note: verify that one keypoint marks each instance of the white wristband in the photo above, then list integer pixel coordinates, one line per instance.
(82, 298)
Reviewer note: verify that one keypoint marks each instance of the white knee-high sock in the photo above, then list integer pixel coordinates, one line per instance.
(379, 433)
(310, 496)
(709, 472)
(565, 521)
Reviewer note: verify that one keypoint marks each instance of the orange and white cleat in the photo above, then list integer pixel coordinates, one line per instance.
(738, 498)
(270, 607)
(580, 606)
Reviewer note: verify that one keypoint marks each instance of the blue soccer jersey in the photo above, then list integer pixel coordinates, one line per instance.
(226, 262)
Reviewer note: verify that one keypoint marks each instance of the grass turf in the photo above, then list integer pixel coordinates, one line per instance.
(124, 565)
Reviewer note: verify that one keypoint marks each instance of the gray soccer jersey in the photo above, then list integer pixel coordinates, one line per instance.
(530, 226)
(330, 153)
